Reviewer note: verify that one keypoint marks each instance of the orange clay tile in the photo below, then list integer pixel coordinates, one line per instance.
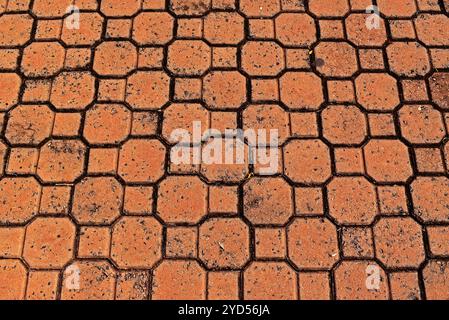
(356, 187)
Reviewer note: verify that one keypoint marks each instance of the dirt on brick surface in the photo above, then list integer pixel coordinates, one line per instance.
(93, 204)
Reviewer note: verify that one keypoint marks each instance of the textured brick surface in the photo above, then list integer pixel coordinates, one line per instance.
(89, 192)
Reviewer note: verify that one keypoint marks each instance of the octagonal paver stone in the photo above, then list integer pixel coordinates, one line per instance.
(73, 90)
(141, 160)
(421, 124)
(270, 280)
(313, 243)
(224, 243)
(430, 198)
(344, 125)
(29, 124)
(87, 34)
(147, 89)
(323, 8)
(190, 7)
(19, 199)
(307, 96)
(97, 200)
(377, 91)
(400, 8)
(114, 8)
(9, 90)
(136, 242)
(107, 124)
(184, 116)
(295, 29)
(224, 89)
(359, 34)
(267, 117)
(399, 242)
(339, 59)
(436, 280)
(352, 200)
(432, 28)
(13, 279)
(179, 280)
(61, 160)
(153, 28)
(439, 88)
(224, 28)
(352, 277)
(267, 201)
(262, 58)
(42, 59)
(48, 8)
(261, 8)
(408, 59)
(387, 160)
(182, 199)
(15, 29)
(307, 161)
(97, 280)
(49, 242)
(188, 57)
(224, 160)
(115, 58)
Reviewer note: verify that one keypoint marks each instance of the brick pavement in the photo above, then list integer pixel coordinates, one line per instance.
(93, 207)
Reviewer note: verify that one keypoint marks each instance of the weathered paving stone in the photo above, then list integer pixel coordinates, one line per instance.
(349, 201)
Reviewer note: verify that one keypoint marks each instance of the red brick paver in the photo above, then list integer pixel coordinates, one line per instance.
(93, 204)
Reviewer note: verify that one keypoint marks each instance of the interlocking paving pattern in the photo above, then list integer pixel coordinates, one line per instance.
(91, 207)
